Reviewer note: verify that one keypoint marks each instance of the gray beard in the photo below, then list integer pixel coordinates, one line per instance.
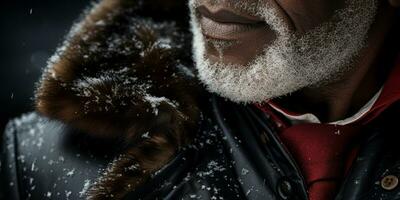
(292, 62)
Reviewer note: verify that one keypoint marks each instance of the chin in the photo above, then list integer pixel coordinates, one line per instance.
(240, 83)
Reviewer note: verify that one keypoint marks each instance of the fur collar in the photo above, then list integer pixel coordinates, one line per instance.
(123, 73)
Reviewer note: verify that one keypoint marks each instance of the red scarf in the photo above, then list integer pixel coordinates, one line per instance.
(324, 152)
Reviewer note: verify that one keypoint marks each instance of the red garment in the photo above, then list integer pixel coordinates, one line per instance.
(324, 152)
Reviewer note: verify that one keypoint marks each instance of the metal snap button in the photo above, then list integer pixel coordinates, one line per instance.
(389, 182)
(285, 189)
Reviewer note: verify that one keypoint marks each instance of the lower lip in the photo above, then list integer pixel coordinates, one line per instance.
(227, 31)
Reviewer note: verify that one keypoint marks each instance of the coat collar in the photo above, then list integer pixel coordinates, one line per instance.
(120, 74)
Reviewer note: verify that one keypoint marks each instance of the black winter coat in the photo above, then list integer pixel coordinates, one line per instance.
(120, 115)
(44, 159)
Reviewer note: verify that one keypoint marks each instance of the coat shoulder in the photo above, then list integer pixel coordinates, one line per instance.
(44, 158)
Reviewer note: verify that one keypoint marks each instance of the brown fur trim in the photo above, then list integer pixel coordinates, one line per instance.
(121, 75)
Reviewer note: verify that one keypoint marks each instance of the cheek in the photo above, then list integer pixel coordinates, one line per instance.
(308, 14)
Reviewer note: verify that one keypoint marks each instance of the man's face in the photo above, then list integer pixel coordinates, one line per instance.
(254, 50)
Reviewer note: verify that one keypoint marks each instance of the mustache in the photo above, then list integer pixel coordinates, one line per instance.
(248, 7)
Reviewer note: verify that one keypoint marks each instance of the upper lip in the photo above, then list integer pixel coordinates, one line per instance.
(227, 16)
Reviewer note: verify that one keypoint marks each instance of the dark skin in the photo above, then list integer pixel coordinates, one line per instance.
(343, 98)
(334, 101)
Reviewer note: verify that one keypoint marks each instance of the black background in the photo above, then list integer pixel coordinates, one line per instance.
(30, 32)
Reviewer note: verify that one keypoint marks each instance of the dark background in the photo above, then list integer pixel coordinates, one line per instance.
(30, 32)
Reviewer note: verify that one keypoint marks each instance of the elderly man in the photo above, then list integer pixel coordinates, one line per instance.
(293, 99)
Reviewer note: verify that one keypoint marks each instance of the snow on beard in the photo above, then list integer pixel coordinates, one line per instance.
(292, 61)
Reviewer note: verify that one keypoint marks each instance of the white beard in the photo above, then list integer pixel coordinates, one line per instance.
(291, 62)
